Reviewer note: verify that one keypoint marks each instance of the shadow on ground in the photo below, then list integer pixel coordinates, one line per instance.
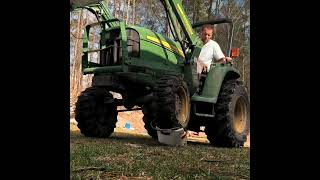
(128, 136)
(133, 138)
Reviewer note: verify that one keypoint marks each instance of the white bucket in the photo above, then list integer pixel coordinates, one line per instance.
(171, 137)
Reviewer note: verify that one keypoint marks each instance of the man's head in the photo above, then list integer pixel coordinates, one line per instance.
(207, 32)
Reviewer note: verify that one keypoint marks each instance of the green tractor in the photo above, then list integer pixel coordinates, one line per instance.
(157, 75)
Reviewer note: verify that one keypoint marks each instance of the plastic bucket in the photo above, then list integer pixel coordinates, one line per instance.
(177, 137)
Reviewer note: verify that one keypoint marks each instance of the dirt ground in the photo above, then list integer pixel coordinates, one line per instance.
(134, 118)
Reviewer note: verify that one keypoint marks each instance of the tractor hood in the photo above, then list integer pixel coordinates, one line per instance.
(157, 39)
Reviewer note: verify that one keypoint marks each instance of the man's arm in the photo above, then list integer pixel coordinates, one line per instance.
(218, 54)
(225, 59)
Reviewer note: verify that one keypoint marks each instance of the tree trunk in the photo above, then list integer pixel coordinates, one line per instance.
(243, 69)
(128, 8)
(76, 75)
(168, 30)
(124, 11)
(194, 13)
(119, 10)
(187, 6)
(76, 45)
(77, 61)
(115, 3)
(133, 11)
(210, 8)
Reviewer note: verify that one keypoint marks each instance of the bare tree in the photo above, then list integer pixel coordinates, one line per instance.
(75, 76)
(76, 65)
(128, 7)
(210, 8)
(195, 10)
(240, 14)
(115, 5)
(133, 11)
(119, 9)
(136, 12)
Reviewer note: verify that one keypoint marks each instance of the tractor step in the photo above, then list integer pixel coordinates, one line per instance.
(204, 115)
(203, 109)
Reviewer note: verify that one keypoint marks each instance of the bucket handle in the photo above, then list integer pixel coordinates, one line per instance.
(158, 129)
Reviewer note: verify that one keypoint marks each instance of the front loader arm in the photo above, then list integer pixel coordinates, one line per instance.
(101, 11)
(176, 11)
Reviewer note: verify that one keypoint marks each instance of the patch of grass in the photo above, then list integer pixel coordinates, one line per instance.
(140, 157)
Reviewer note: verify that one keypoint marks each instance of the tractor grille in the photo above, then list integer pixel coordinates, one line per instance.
(113, 54)
(133, 43)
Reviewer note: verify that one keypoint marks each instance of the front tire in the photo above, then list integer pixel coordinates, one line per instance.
(95, 112)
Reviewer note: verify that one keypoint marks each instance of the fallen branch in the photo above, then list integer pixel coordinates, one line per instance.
(89, 168)
(217, 161)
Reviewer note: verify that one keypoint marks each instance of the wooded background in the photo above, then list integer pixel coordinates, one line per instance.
(151, 14)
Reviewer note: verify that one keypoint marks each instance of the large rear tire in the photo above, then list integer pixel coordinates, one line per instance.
(230, 126)
(95, 112)
(173, 102)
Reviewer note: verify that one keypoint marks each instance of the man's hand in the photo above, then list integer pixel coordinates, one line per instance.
(201, 67)
(225, 60)
(228, 59)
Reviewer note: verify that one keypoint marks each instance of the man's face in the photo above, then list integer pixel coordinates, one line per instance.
(206, 35)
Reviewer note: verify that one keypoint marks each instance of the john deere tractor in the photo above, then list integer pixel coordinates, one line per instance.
(157, 75)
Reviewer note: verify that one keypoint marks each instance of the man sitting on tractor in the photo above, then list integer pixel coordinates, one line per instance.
(210, 51)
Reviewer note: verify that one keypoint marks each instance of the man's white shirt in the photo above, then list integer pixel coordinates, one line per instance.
(210, 51)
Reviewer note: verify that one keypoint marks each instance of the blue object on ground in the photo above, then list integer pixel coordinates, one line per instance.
(128, 126)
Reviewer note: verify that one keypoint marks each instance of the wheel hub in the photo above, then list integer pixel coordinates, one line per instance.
(240, 115)
(182, 106)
